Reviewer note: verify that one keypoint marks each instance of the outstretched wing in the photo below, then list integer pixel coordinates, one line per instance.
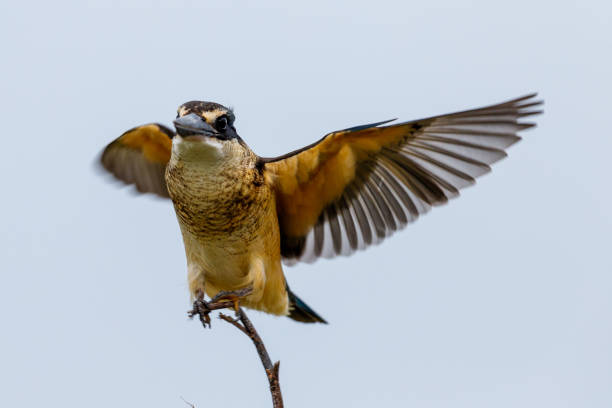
(357, 186)
(139, 157)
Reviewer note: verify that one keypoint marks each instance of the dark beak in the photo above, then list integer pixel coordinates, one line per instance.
(192, 124)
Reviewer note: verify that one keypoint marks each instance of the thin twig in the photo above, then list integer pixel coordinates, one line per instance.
(188, 403)
(259, 345)
(235, 322)
(242, 322)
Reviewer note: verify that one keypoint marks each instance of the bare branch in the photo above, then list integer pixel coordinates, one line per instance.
(235, 322)
(243, 323)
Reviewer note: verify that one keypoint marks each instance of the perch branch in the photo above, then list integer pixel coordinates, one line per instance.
(243, 323)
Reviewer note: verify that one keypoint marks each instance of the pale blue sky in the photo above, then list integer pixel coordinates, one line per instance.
(499, 299)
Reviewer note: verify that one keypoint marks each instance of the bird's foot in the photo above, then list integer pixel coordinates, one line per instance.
(233, 296)
(201, 308)
(222, 300)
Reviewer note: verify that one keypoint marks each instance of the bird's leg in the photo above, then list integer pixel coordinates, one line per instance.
(233, 296)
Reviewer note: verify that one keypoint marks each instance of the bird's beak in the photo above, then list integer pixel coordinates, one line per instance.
(192, 124)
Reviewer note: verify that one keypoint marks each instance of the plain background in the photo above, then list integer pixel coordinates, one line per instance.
(499, 299)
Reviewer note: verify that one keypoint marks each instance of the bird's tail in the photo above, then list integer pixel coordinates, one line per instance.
(300, 311)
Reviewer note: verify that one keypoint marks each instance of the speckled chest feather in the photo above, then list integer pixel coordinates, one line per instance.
(220, 198)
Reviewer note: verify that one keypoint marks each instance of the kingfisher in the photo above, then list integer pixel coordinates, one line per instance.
(243, 216)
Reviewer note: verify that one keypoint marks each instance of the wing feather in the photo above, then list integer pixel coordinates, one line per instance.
(139, 157)
(357, 186)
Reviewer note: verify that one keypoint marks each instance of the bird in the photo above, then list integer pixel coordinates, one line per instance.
(243, 217)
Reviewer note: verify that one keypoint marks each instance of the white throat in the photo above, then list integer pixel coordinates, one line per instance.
(207, 151)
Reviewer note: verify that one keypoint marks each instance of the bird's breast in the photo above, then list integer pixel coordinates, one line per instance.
(219, 203)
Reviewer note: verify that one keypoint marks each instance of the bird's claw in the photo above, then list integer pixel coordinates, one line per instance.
(221, 300)
(200, 308)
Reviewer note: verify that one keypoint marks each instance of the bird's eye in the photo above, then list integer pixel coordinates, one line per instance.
(221, 124)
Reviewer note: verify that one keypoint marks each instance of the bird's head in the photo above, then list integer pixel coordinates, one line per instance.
(196, 119)
(206, 128)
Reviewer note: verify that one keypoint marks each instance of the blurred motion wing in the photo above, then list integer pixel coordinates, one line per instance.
(139, 157)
